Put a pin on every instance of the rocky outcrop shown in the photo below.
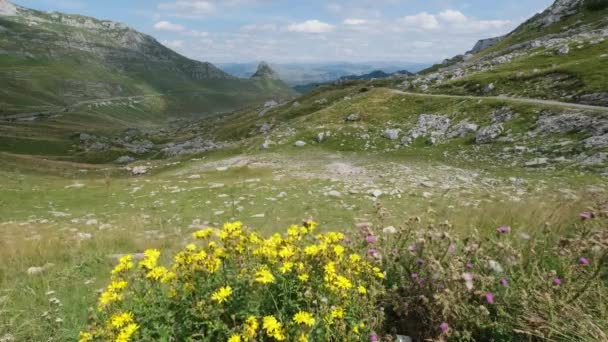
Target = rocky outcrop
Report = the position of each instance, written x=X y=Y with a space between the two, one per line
x=462 y=129
x=559 y=10
x=430 y=125
x=596 y=99
x=489 y=134
x=570 y=123
x=194 y=146
x=485 y=44
x=7 y=9
x=391 y=134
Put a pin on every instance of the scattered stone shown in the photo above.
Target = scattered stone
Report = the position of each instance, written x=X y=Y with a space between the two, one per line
x=139 y=170
x=84 y=236
x=195 y=177
x=564 y=50
x=600 y=158
x=376 y=193
x=537 y=162
x=462 y=129
x=489 y=134
x=296 y=104
x=334 y=193
x=435 y=126
x=215 y=185
x=390 y=230
x=92 y=222
x=35 y=270
x=300 y=143
x=596 y=99
x=353 y=117
x=219 y=212
x=259 y=216
x=502 y=115
x=124 y=160
x=391 y=134
x=427 y=195
x=489 y=88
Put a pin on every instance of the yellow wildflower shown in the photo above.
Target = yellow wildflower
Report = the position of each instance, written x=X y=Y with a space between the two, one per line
x=339 y=250
x=287 y=267
x=304 y=277
x=157 y=273
x=120 y=320
x=337 y=312
x=191 y=247
x=126 y=333
x=287 y=252
x=203 y=234
x=150 y=259
x=361 y=289
x=222 y=294
x=304 y=318
x=302 y=338
x=85 y=337
x=251 y=327
x=343 y=283
x=311 y=250
x=235 y=338
x=124 y=263
x=264 y=276
x=354 y=258
x=273 y=328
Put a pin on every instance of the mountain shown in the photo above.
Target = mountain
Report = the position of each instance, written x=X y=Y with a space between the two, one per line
x=305 y=74
x=558 y=54
x=62 y=74
x=52 y=60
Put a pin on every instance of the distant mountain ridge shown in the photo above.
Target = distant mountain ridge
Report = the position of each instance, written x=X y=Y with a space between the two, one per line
x=55 y=59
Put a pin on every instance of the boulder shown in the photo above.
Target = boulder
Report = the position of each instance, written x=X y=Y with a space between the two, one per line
x=300 y=143
x=569 y=123
x=502 y=115
x=596 y=99
x=139 y=170
x=462 y=129
x=564 y=50
x=435 y=126
x=599 y=141
x=391 y=134
x=489 y=134
x=597 y=159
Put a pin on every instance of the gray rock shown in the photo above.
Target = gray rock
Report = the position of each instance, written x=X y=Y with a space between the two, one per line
x=599 y=141
x=139 y=170
x=435 y=126
x=489 y=134
x=270 y=104
x=596 y=99
x=353 y=117
x=334 y=193
x=391 y=134
x=266 y=144
x=98 y=146
x=570 y=123
x=124 y=160
x=376 y=193
x=564 y=50
x=194 y=146
x=86 y=137
x=502 y=115
x=300 y=143
x=140 y=146
x=600 y=158
x=320 y=137
x=296 y=104
x=537 y=162
x=406 y=140
x=266 y=127
x=462 y=129
x=489 y=88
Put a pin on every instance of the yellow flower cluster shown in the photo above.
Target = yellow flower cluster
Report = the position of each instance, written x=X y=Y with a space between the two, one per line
x=299 y=286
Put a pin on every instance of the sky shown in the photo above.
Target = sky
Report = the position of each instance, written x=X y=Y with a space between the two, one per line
x=290 y=31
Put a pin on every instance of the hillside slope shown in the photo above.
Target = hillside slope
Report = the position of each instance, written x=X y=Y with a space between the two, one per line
x=54 y=61
x=559 y=54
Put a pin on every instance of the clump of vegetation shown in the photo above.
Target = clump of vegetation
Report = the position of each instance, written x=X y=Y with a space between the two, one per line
x=510 y=285
x=596 y=5
x=421 y=280
x=232 y=285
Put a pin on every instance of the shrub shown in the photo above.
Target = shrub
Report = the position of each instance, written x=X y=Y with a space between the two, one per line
x=596 y=5
x=233 y=285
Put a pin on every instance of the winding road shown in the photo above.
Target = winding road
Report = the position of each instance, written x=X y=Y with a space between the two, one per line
x=512 y=99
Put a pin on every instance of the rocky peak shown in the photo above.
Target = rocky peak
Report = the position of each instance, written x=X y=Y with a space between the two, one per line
x=556 y=12
x=7 y=8
x=265 y=71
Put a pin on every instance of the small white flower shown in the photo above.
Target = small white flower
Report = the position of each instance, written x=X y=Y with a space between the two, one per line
x=495 y=266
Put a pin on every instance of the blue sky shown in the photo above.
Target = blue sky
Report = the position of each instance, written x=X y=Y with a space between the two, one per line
x=310 y=30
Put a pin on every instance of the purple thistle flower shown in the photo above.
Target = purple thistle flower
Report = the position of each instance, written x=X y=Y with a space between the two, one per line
x=414 y=275
x=371 y=239
x=372 y=252
x=557 y=281
x=444 y=327
x=470 y=266
x=586 y=216
x=419 y=262
x=584 y=261
x=412 y=247
x=490 y=298
x=373 y=337
x=503 y=229
x=504 y=282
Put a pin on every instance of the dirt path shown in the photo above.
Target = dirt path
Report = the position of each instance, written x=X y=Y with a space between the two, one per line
x=512 y=99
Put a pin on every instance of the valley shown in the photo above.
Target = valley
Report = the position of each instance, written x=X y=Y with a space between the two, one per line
x=113 y=145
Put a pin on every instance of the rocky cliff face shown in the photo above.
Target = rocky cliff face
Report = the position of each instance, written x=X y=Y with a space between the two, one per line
x=559 y=10
x=7 y=9
x=484 y=44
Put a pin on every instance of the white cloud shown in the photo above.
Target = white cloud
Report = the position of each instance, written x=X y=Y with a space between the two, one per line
x=173 y=44
x=420 y=21
x=188 y=8
x=169 y=26
x=310 y=26
x=452 y=16
x=355 y=22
